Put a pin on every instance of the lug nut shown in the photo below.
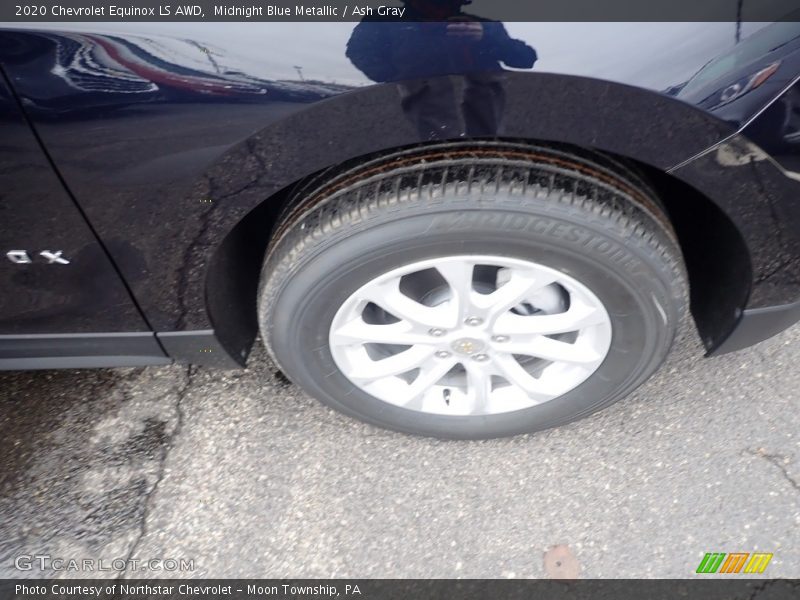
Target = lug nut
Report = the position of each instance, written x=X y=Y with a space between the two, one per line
x=443 y=354
x=500 y=339
x=436 y=332
x=480 y=357
x=474 y=321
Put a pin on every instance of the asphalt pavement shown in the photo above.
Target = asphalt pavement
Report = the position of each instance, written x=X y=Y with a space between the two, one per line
x=239 y=474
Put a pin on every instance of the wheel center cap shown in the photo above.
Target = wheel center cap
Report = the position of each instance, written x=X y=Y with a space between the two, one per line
x=467 y=346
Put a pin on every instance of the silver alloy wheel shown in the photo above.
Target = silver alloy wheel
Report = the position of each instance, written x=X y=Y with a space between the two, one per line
x=470 y=335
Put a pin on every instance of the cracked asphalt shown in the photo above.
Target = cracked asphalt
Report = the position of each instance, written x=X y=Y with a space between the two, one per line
x=246 y=476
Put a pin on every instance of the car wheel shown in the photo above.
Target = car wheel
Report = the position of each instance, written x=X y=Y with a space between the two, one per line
x=472 y=292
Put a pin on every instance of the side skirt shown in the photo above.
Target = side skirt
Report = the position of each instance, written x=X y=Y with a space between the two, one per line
x=80 y=350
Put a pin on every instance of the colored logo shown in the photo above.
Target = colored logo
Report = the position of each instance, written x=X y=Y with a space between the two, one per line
x=737 y=562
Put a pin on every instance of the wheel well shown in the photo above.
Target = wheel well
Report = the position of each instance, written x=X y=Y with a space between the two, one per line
x=715 y=256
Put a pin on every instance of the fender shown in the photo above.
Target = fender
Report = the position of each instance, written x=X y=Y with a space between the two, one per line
x=584 y=112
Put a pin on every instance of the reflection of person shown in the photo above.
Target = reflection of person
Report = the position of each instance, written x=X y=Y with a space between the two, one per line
x=437 y=40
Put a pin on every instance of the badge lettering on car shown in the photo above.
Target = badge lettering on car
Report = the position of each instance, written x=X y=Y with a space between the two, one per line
x=52 y=257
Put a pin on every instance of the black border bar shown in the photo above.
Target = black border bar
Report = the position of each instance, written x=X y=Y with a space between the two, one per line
x=41 y=11
x=707 y=588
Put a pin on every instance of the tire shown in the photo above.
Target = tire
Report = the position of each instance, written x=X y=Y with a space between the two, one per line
x=585 y=224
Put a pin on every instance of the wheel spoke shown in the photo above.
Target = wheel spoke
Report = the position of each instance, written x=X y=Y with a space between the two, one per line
x=515 y=291
x=516 y=375
x=579 y=316
x=400 y=363
x=429 y=375
x=479 y=387
x=359 y=332
x=458 y=276
x=389 y=297
x=550 y=349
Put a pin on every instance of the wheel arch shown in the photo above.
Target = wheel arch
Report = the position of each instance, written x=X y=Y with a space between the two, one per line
x=631 y=124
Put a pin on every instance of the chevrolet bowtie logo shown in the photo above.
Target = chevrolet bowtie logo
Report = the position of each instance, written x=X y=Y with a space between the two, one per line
x=468 y=346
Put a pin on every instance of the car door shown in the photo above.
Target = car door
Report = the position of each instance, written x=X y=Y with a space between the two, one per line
x=62 y=301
